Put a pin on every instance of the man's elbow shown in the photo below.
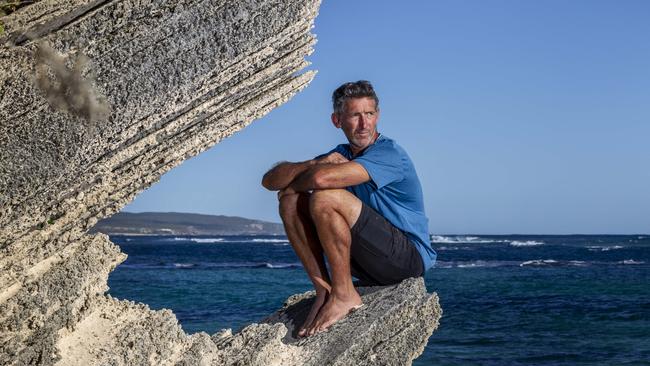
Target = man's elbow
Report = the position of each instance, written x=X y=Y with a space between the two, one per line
x=266 y=182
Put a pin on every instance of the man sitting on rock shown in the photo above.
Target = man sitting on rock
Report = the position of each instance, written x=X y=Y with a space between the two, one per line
x=360 y=205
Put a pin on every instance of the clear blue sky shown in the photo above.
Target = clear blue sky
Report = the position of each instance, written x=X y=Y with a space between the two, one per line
x=520 y=116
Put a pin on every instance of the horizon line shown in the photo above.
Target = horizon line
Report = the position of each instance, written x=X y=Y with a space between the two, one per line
x=439 y=234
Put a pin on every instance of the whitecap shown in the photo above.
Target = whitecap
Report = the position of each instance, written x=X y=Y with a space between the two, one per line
x=470 y=265
x=443 y=264
x=527 y=243
x=282 y=265
x=603 y=249
x=176 y=238
x=206 y=240
x=578 y=263
x=631 y=261
x=462 y=239
x=474 y=264
x=270 y=240
x=539 y=262
x=184 y=265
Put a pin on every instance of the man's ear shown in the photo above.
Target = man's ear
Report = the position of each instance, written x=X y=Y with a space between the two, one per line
x=335 y=120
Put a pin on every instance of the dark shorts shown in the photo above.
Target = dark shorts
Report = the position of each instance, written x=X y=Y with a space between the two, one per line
x=382 y=254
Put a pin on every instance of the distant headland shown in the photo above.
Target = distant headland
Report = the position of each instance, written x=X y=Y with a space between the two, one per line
x=177 y=223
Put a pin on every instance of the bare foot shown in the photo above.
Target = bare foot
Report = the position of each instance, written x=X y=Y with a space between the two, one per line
x=318 y=303
x=334 y=310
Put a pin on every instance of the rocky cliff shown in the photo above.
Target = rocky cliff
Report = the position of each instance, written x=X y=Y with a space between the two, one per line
x=99 y=98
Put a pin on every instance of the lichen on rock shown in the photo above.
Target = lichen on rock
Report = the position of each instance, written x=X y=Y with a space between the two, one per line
x=179 y=77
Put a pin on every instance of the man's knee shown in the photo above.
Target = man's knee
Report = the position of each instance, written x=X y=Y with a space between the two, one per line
x=291 y=205
x=326 y=202
x=323 y=200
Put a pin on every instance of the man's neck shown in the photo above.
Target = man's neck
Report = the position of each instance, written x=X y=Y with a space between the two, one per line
x=357 y=152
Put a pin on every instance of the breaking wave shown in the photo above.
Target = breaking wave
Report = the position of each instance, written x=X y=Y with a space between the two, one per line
x=531 y=263
x=527 y=243
x=453 y=248
x=474 y=264
x=556 y=263
x=463 y=239
x=204 y=265
x=630 y=261
x=550 y=263
x=283 y=265
x=206 y=240
x=603 y=249
x=225 y=240
x=270 y=240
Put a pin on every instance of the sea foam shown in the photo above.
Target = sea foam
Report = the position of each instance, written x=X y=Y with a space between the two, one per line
x=527 y=243
x=462 y=239
x=630 y=261
x=207 y=240
x=603 y=249
x=270 y=240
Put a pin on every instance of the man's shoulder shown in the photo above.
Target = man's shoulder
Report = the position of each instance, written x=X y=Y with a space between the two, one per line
x=386 y=143
x=386 y=146
x=343 y=149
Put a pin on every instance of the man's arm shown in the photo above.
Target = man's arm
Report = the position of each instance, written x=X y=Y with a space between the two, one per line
x=282 y=174
x=330 y=176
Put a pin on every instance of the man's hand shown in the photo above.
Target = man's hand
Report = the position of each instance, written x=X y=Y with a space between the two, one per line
x=333 y=158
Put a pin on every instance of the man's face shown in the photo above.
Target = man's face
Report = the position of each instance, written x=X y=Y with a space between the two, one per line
x=358 y=122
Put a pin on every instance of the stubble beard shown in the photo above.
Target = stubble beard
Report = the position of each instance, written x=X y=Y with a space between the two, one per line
x=368 y=141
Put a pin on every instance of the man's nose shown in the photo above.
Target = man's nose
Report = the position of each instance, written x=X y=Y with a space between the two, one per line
x=364 y=122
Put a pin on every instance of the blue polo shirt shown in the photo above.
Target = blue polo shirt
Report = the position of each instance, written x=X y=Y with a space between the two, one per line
x=394 y=191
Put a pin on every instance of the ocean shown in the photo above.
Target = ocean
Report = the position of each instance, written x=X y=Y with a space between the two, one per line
x=507 y=300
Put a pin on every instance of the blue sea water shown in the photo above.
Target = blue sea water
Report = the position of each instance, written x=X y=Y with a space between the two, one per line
x=507 y=300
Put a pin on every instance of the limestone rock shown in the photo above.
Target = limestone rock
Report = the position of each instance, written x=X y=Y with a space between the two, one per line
x=391 y=328
x=98 y=99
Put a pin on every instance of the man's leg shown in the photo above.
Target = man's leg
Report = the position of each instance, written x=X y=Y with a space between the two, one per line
x=334 y=212
x=294 y=211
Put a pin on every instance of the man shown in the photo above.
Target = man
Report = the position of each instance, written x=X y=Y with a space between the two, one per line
x=360 y=205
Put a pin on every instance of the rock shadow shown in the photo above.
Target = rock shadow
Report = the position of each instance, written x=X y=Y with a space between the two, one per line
x=295 y=310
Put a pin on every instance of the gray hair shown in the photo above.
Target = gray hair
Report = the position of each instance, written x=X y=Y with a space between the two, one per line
x=357 y=89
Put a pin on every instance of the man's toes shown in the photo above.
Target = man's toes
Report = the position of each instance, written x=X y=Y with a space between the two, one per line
x=325 y=326
x=312 y=329
x=304 y=331
x=320 y=327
